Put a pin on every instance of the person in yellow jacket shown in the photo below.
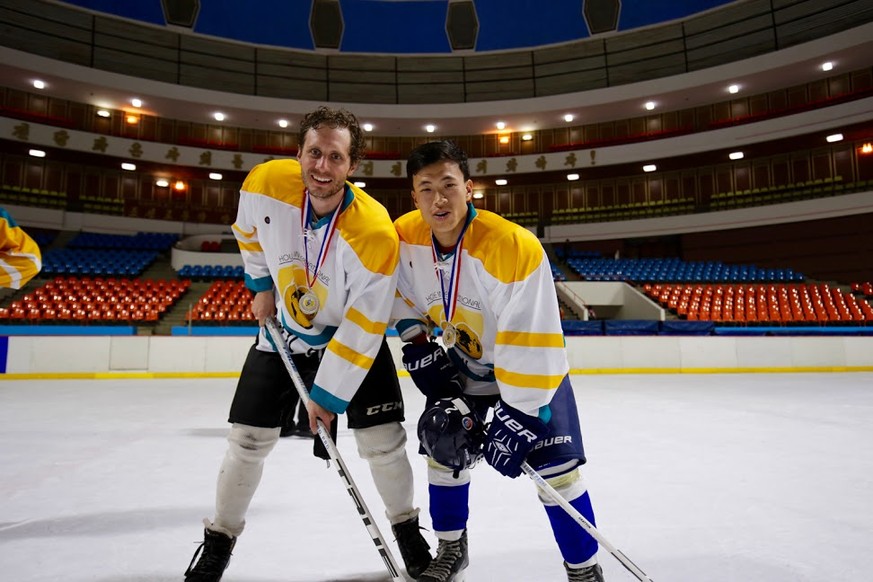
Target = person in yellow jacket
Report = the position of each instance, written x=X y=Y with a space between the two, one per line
x=20 y=258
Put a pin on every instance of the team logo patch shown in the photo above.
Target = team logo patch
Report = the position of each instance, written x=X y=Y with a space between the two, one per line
x=467 y=422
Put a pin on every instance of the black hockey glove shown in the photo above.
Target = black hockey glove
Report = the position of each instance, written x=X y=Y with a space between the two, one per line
x=511 y=436
x=432 y=371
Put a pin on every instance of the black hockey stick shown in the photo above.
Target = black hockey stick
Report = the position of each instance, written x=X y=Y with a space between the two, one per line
x=272 y=327
x=586 y=525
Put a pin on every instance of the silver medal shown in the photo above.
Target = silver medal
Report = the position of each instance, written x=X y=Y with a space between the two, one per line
x=309 y=303
x=450 y=335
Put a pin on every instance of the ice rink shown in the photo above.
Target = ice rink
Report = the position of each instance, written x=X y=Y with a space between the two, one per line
x=710 y=478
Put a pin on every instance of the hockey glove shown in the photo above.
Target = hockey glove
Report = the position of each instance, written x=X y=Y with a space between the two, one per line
x=511 y=436
x=432 y=371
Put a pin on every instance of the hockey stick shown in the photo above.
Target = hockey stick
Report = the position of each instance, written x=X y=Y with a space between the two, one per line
x=323 y=433
x=586 y=525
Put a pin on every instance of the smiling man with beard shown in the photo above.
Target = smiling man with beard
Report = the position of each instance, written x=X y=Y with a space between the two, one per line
x=320 y=255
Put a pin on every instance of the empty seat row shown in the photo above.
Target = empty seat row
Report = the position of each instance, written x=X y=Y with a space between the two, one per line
x=776 y=303
x=208 y=272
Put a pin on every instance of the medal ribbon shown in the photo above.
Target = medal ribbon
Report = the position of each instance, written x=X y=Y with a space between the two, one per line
x=450 y=296
x=325 y=242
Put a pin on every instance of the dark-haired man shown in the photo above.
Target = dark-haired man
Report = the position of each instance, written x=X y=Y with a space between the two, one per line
x=488 y=284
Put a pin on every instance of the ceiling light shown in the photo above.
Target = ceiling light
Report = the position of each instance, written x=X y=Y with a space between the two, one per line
x=430 y=128
x=526 y=137
x=867 y=148
x=835 y=137
x=569 y=117
x=360 y=184
x=218 y=116
x=504 y=139
x=736 y=155
x=132 y=119
x=103 y=113
x=478 y=195
x=734 y=89
x=136 y=102
x=501 y=181
x=368 y=127
x=215 y=176
x=38 y=84
x=37 y=153
x=162 y=183
x=283 y=123
x=179 y=185
x=650 y=168
x=650 y=105
x=501 y=125
x=827 y=66
x=128 y=166
x=572 y=177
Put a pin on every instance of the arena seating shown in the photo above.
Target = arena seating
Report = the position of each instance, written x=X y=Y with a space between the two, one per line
x=96 y=300
x=674 y=270
x=224 y=302
x=793 y=303
x=119 y=263
x=211 y=272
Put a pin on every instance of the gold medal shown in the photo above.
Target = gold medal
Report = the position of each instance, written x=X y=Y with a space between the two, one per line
x=450 y=335
x=309 y=303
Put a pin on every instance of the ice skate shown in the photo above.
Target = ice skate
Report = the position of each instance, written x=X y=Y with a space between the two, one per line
x=414 y=550
x=450 y=562
x=590 y=574
x=214 y=552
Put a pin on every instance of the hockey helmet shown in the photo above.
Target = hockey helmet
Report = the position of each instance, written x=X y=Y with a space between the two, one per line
x=451 y=433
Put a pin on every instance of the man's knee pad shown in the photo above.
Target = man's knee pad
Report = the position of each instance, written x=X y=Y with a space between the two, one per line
x=570 y=485
x=252 y=444
x=381 y=444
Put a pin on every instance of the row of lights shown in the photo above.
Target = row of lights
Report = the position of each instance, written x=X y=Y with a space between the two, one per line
x=133 y=118
x=867 y=148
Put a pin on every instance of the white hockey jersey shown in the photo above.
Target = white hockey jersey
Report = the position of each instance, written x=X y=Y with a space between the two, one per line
x=354 y=285
x=510 y=336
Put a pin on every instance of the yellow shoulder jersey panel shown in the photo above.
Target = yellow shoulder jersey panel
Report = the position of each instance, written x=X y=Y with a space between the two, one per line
x=278 y=179
x=508 y=251
x=366 y=226
x=412 y=229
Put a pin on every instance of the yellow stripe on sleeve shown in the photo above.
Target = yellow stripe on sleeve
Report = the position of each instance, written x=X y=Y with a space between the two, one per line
x=358 y=318
x=254 y=247
x=244 y=233
x=349 y=354
x=527 y=380
x=530 y=340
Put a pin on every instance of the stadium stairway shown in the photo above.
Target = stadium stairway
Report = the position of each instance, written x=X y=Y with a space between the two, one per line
x=177 y=314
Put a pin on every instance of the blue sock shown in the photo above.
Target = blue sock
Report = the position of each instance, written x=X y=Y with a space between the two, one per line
x=575 y=543
x=449 y=507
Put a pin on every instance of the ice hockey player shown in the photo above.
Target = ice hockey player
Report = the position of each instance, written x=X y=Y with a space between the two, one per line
x=320 y=255
x=487 y=283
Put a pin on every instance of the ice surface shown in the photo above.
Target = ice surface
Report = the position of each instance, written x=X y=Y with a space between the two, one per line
x=697 y=478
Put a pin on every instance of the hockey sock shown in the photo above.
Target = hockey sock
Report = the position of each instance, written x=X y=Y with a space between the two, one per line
x=576 y=545
x=449 y=500
x=384 y=448
x=240 y=475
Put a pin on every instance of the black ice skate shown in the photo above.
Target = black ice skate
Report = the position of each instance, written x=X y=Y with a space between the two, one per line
x=450 y=562
x=413 y=548
x=590 y=574
x=215 y=552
